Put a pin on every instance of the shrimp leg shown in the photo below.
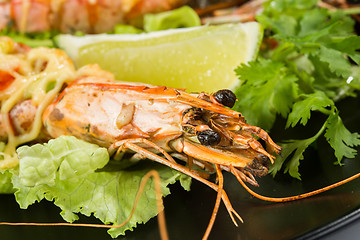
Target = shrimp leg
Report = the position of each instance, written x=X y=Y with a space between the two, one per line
x=121 y=148
x=131 y=144
x=121 y=144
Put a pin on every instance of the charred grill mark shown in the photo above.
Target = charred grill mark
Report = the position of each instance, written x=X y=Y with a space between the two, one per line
x=177 y=93
x=56 y=115
x=60 y=98
x=27 y=124
x=189 y=130
x=21 y=118
x=69 y=130
x=259 y=166
x=186 y=111
x=63 y=87
x=94 y=130
x=18 y=112
x=87 y=128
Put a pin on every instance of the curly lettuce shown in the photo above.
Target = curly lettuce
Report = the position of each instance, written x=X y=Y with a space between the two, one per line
x=5 y=182
x=70 y=172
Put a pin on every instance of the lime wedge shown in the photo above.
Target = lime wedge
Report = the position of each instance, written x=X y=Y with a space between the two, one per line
x=197 y=59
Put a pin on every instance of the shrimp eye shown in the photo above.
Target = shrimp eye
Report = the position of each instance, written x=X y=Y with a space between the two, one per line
x=208 y=137
x=225 y=97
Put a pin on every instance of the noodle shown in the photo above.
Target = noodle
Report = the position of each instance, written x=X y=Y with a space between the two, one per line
x=39 y=75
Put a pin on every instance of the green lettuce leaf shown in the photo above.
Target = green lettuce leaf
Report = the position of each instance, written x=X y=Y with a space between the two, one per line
x=70 y=176
x=43 y=39
x=124 y=28
x=5 y=176
x=179 y=18
x=5 y=182
x=65 y=157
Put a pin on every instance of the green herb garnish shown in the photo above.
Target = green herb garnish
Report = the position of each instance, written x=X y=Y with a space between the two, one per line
x=315 y=64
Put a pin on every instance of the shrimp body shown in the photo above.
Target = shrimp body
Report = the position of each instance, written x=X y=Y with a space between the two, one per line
x=195 y=126
x=68 y=16
x=114 y=111
x=106 y=112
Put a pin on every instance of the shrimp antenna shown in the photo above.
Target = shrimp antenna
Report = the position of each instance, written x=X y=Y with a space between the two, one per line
x=161 y=215
x=217 y=203
x=292 y=198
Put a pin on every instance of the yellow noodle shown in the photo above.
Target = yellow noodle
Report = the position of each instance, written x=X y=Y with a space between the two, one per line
x=25 y=7
x=40 y=66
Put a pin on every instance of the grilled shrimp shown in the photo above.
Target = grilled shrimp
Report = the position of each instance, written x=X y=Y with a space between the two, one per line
x=196 y=126
x=89 y=16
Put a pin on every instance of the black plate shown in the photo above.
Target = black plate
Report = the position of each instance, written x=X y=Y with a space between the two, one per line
x=188 y=213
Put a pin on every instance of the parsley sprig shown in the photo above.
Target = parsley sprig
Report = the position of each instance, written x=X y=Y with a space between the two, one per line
x=315 y=63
